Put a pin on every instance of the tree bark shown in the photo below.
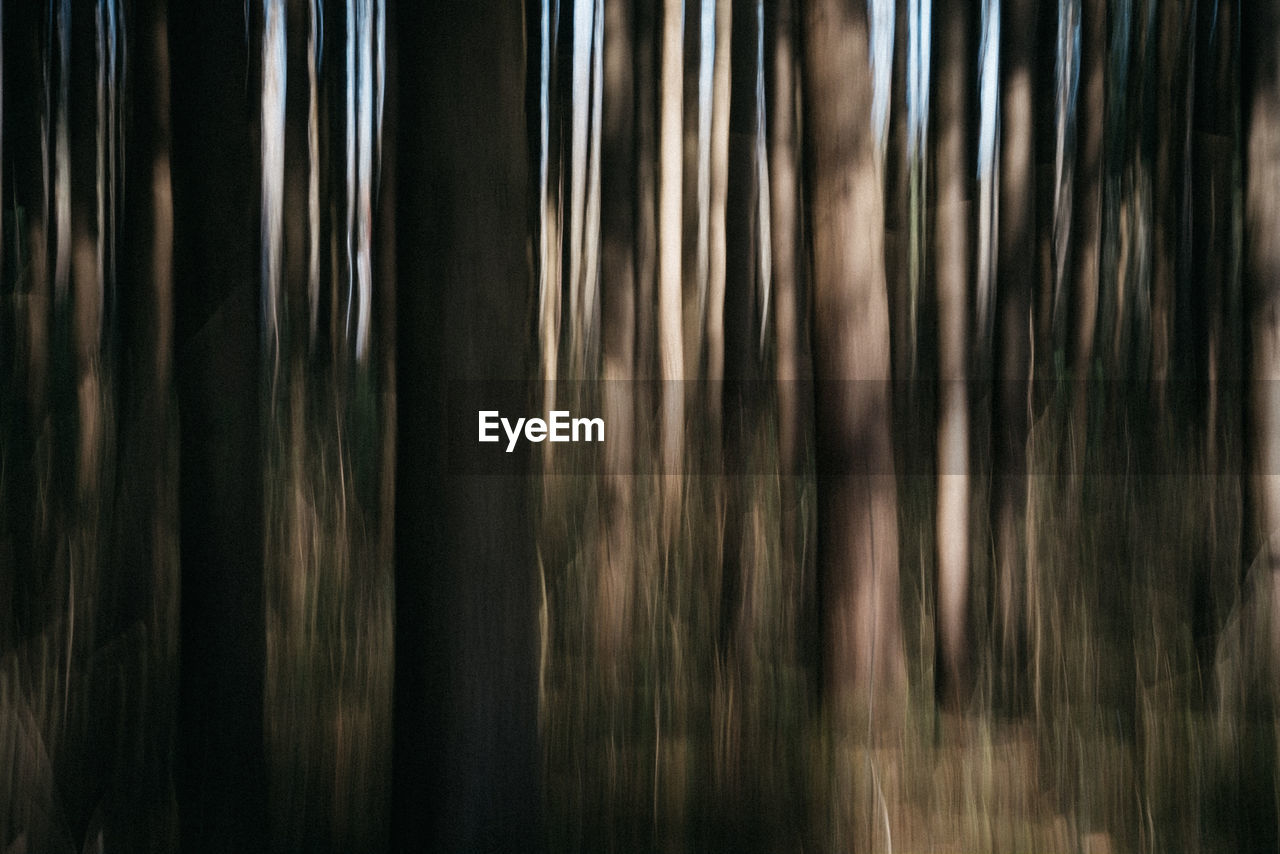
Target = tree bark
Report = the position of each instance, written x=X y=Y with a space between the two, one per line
x=791 y=364
x=1015 y=278
x=618 y=232
x=718 y=260
x=954 y=97
x=671 y=367
x=1260 y=27
x=465 y=767
x=1170 y=127
x=218 y=356
x=1086 y=221
x=864 y=670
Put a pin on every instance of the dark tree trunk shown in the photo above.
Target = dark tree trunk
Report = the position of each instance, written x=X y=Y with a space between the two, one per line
x=1086 y=220
x=1170 y=134
x=741 y=315
x=1015 y=278
x=466 y=772
x=618 y=310
x=146 y=589
x=1260 y=108
x=217 y=339
x=1214 y=144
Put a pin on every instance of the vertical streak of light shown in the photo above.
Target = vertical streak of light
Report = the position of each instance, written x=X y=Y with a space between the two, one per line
x=591 y=236
x=364 y=236
x=162 y=212
x=881 y=14
x=380 y=79
x=313 y=173
x=579 y=133
x=713 y=313
x=546 y=282
x=351 y=124
x=670 y=230
x=100 y=165
x=273 y=95
x=762 y=181
x=706 y=59
x=988 y=162
x=551 y=213
x=1067 y=73
x=108 y=140
x=544 y=98
x=62 y=158
x=46 y=110
x=1116 y=208
x=919 y=26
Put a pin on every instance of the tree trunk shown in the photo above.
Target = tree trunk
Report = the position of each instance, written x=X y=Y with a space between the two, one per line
x=716 y=231
x=465 y=717
x=1214 y=142
x=953 y=99
x=791 y=362
x=1086 y=224
x=222 y=789
x=1261 y=106
x=1015 y=278
x=147 y=486
x=671 y=367
x=864 y=670
x=618 y=232
x=741 y=330
x=1170 y=125
x=1260 y=113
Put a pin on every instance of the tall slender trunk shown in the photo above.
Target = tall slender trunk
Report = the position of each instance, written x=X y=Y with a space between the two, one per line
x=1015 y=278
x=898 y=254
x=671 y=366
x=954 y=98
x=646 y=202
x=618 y=232
x=741 y=348
x=719 y=188
x=1214 y=143
x=864 y=669
x=791 y=364
x=1086 y=221
x=1170 y=125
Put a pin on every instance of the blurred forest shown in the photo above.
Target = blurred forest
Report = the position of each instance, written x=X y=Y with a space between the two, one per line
x=938 y=349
